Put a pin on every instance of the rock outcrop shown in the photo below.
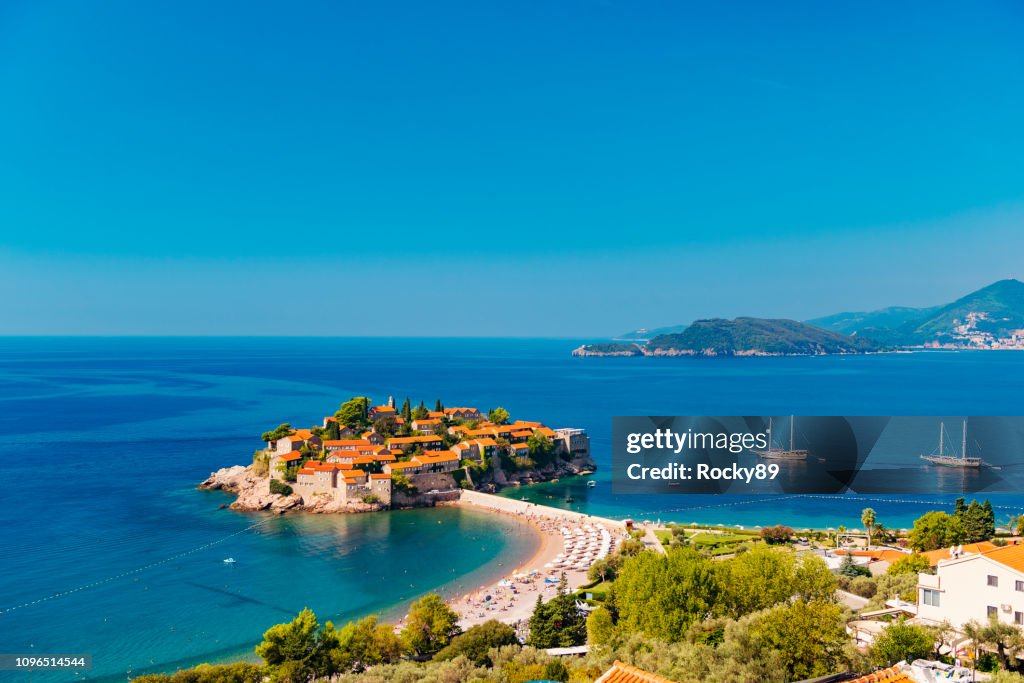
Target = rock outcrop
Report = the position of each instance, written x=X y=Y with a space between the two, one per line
x=253 y=494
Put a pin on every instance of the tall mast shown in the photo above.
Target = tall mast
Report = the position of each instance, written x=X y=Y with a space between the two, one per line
x=790 y=432
x=963 y=442
x=942 y=427
x=769 y=435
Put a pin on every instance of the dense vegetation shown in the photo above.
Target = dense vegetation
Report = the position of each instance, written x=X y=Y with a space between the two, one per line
x=720 y=337
x=968 y=524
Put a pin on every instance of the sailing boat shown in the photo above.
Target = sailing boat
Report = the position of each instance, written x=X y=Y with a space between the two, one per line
x=953 y=460
x=782 y=453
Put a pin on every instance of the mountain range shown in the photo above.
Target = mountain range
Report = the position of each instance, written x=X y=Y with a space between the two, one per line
x=989 y=318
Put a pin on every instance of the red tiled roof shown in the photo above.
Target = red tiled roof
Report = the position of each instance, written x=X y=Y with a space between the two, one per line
x=380 y=476
x=292 y=457
x=890 y=675
x=624 y=673
x=968 y=549
x=1011 y=556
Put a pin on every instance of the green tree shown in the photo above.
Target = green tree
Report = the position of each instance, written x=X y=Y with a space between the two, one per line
x=407 y=410
x=365 y=643
x=996 y=635
x=659 y=595
x=385 y=426
x=280 y=432
x=420 y=412
x=541 y=448
x=557 y=622
x=868 y=519
x=915 y=563
x=438 y=406
x=851 y=569
x=600 y=627
x=809 y=638
x=813 y=581
x=890 y=586
x=777 y=534
x=936 y=529
x=240 y=672
x=759 y=578
x=476 y=643
x=498 y=416
x=402 y=484
x=297 y=651
x=431 y=626
x=354 y=413
x=333 y=431
x=901 y=641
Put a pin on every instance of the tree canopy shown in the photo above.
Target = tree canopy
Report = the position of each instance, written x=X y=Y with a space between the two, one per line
x=431 y=626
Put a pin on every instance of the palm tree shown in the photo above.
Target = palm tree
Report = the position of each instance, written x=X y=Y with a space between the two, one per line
x=867 y=518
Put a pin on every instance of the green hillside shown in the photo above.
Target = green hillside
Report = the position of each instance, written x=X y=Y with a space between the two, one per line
x=753 y=336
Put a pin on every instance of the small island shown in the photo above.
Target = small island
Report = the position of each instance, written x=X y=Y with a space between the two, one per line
x=367 y=458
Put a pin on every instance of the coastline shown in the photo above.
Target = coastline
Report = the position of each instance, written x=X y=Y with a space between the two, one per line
x=511 y=597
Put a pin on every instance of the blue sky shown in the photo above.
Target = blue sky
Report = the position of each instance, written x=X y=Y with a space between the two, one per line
x=607 y=164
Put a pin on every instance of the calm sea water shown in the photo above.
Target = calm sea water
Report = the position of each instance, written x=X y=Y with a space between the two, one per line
x=108 y=548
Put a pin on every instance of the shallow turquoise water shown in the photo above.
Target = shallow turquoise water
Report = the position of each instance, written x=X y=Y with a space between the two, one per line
x=103 y=440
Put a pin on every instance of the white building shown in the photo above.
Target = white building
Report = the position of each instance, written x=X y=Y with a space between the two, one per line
x=975 y=587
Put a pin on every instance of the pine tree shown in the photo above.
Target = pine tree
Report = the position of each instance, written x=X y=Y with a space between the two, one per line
x=438 y=407
x=407 y=410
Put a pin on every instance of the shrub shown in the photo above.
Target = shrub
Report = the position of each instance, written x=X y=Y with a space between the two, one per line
x=280 y=488
x=371 y=499
x=863 y=586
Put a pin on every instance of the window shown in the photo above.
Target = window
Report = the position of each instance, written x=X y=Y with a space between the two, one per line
x=993 y=611
x=993 y=580
x=1020 y=586
x=1018 y=618
x=930 y=597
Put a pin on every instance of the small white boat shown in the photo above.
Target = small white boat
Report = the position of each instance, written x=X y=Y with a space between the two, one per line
x=230 y=560
x=591 y=484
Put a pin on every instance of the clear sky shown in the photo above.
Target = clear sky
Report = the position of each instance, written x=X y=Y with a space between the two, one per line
x=482 y=168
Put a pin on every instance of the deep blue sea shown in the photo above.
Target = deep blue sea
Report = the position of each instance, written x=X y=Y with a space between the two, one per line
x=108 y=548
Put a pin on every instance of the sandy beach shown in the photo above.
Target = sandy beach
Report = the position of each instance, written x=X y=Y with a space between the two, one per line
x=564 y=535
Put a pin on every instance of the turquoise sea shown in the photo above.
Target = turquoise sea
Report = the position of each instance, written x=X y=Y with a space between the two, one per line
x=108 y=548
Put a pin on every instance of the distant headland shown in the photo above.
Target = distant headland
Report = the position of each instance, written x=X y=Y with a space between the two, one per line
x=990 y=318
x=367 y=458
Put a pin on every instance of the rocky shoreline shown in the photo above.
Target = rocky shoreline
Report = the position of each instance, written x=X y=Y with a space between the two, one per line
x=253 y=494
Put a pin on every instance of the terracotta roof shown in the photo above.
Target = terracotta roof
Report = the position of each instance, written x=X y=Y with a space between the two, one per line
x=486 y=442
x=292 y=457
x=413 y=439
x=518 y=446
x=429 y=457
x=969 y=549
x=522 y=432
x=382 y=409
x=624 y=673
x=404 y=465
x=306 y=472
x=435 y=413
x=380 y=476
x=1011 y=556
x=890 y=675
x=346 y=442
x=430 y=421
x=547 y=431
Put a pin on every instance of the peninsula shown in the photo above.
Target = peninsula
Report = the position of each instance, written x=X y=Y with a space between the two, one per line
x=367 y=458
x=740 y=337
